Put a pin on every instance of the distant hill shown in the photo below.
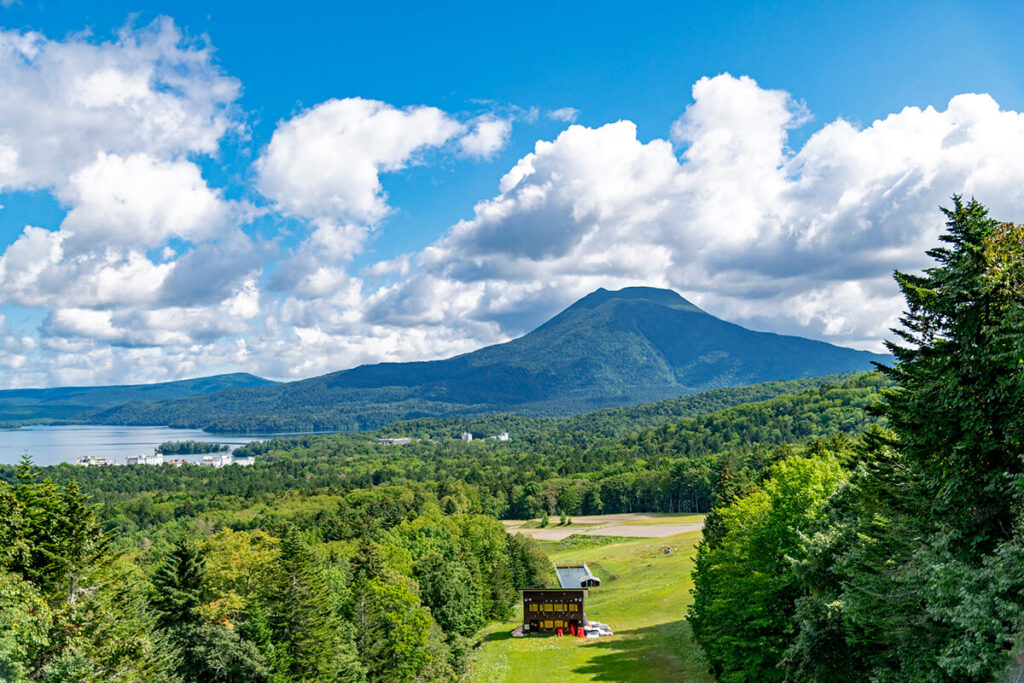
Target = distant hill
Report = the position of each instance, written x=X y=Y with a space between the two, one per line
x=585 y=429
x=609 y=349
x=68 y=404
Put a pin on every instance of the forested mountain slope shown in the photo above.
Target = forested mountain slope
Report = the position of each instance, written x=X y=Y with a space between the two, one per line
x=547 y=465
x=612 y=423
x=69 y=403
x=609 y=349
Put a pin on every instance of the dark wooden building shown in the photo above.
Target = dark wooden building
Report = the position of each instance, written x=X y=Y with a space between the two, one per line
x=545 y=610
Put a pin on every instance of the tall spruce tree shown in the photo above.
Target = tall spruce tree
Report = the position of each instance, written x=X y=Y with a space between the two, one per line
x=959 y=410
x=918 y=573
x=179 y=586
x=914 y=571
x=309 y=639
x=959 y=419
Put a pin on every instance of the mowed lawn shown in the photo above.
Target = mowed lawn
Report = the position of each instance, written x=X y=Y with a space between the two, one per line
x=643 y=596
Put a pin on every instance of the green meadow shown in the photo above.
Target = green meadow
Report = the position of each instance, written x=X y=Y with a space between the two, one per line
x=644 y=595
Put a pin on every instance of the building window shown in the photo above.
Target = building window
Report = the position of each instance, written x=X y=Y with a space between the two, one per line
x=533 y=607
x=572 y=606
x=548 y=607
x=558 y=623
x=549 y=624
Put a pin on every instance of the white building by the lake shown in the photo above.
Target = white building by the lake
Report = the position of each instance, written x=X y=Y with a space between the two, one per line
x=143 y=459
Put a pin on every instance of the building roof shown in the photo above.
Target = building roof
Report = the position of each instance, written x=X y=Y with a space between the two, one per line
x=575 y=576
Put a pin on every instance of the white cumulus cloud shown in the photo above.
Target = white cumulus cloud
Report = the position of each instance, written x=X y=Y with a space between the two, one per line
x=63 y=102
x=141 y=201
x=488 y=136
x=326 y=162
x=147 y=254
x=802 y=241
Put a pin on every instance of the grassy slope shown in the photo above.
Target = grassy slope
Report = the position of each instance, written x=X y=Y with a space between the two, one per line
x=643 y=597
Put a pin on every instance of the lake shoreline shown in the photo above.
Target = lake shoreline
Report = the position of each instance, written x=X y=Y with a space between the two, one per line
x=51 y=444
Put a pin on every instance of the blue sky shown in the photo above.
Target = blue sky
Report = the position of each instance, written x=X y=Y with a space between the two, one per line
x=772 y=162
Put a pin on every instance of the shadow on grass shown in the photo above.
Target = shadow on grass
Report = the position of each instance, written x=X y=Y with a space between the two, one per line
x=498 y=635
x=665 y=652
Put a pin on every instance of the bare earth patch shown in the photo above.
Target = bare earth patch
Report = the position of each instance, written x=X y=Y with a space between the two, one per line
x=637 y=525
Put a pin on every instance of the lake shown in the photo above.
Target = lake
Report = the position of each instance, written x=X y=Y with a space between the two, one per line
x=52 y=445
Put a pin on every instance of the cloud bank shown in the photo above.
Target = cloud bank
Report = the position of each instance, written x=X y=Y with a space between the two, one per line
x=800 y=241
x=154 y=273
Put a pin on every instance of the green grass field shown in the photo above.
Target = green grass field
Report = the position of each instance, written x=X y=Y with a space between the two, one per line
x=643 y=597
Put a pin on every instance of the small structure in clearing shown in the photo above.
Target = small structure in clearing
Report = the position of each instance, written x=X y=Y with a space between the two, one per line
x=576 y=576
x=551 y=610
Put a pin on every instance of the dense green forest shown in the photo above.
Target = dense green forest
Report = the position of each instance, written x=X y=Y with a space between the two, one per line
x=620 y=467
x=899 y=557
x=395 y=550
x=609 y=349
x=298 y=597
x=190 y=447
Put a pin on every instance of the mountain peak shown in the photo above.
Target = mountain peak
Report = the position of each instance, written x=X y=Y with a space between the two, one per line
x=610 y=348
x=661 y=297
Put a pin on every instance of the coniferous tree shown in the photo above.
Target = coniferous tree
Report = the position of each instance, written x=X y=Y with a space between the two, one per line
x=959 y=410
x=367 y=562
x=179 y=586
x=13 y=547
x=958 y=416
x=255 y=628
x=302 y=614
x=914 y=571
x=79 y=545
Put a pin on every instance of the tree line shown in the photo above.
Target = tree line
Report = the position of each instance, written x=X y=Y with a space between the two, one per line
x=191 y=447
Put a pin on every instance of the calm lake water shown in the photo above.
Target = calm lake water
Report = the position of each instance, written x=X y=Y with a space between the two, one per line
x=53 y=445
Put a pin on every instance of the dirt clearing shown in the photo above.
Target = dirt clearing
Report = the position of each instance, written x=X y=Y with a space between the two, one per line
x=637 y=525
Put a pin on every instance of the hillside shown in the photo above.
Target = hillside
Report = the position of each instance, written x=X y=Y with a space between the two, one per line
x=611 y=423
x=609 y=349
x=68 y=404
x=629 y=465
